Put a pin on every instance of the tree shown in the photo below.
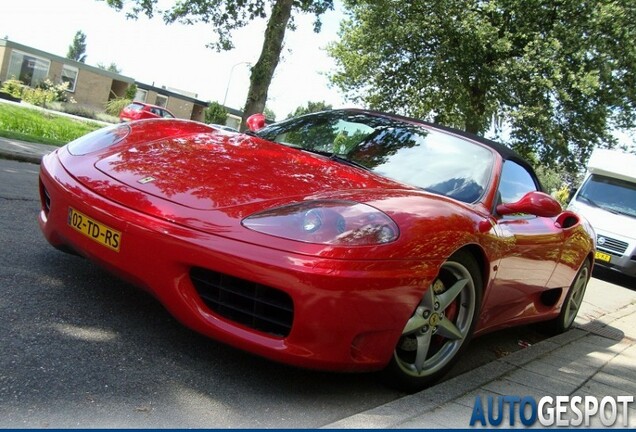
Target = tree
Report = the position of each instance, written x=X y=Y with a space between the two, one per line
x=269 y=114
x=215 y=113
x=226 y=16
x=112 y=67
x=77 y=49
x=311 y=107
x=553 y=77
x=131 y=91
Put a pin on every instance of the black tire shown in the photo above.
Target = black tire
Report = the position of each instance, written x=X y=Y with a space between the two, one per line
x=440 y=327
x=572 y=302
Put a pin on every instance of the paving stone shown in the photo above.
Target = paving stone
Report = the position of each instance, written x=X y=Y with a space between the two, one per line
x=548 y=384
x=570 y=372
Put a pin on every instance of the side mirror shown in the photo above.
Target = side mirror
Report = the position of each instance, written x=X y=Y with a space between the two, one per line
x=255 y=122
x=533 y=203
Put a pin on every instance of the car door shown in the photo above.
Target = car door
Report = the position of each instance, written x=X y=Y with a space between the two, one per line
x=530 y=248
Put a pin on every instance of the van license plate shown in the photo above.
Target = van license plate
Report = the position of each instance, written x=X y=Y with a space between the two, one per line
x=600 y=256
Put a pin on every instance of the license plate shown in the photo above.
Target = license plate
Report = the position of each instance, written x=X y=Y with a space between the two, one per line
x=602 y=256
x=94 y=230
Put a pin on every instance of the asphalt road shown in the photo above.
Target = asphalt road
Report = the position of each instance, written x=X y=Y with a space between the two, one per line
x=80 y=348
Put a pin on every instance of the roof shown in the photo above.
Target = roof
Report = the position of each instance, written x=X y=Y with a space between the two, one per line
x=166 y=92
x=613 y=163
x=14 y=45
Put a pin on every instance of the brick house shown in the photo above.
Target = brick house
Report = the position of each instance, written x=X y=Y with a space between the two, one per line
x=88 y=85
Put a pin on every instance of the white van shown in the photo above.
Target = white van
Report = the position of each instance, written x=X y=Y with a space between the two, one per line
x=607 y=198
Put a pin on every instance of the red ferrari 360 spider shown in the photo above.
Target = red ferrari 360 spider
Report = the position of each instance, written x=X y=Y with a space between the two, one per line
x=344 y=240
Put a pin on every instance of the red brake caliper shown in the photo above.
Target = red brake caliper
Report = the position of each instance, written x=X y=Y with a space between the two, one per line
x=450 y=312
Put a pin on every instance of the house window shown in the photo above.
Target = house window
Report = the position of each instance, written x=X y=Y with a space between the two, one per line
x=69 y=75
x=29 y=69
x=233 y=121
x=141 y=95
x=161 y=101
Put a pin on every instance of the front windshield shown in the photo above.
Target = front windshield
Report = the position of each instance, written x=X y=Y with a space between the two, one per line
x=614 y=195
x=432 y=160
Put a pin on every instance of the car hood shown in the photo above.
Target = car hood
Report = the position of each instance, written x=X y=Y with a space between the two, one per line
x=218 y=170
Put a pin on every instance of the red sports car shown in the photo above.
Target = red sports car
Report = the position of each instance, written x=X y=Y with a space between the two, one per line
x=140 y=111
x=344 y=240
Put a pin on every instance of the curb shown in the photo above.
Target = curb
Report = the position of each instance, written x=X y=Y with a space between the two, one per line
x=20 y=157
x=403 y=411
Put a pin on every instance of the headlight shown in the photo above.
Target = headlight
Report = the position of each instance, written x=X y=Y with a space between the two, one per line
x=98 y=140
x=326 y=222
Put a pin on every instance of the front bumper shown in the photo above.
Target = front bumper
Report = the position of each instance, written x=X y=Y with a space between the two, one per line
x=347 y=314
x=620 y=250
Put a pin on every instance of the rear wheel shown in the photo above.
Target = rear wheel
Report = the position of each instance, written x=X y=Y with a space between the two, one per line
x=572 y=302
x=440 y=326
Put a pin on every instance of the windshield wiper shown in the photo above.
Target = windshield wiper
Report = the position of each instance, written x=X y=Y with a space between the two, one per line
x=620 y=212
x=334 y=157
x=347 y=161
x=589 y=200
x=606 y=207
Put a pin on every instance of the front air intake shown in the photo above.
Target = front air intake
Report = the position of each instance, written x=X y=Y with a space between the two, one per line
x=45 y=199
x=257 y=306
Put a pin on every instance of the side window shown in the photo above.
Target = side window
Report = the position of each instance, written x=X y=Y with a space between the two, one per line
x=69 y=75
x=161 y=101
x=516 y=181
x=141 y=95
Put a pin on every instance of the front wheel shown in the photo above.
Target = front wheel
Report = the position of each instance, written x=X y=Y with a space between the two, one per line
x=440 y=326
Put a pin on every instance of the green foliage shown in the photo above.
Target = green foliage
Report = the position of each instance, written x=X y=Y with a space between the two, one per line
x=13 y=87
x=225 y=16
x=75 y=109
x=269 y=113
x=311 y=107
x=215 y=113
x=28 y=124
x=58 y=92
x=131 y=92
x=38 y=96
x=77 y=49
x=553 y=77
x=563 y=195
x=112 y=67
x=42 y=95
x=114 y=106
x=556 y=180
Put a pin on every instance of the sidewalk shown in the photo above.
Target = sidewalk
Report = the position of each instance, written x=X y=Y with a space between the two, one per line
x=596 y=358
x=23 y=151
x=30 y=152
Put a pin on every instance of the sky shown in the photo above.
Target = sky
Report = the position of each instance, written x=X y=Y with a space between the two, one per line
x=175 y=55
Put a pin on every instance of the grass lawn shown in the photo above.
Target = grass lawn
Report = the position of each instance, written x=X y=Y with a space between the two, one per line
x=32 y=125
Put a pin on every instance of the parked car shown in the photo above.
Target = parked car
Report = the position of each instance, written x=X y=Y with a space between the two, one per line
x=140 y=110
x=345 y=240
x=607 y=198
x=223 y=127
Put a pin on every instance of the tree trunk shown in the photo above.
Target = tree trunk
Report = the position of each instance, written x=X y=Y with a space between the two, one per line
x=474 y=117
x=263 y=70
